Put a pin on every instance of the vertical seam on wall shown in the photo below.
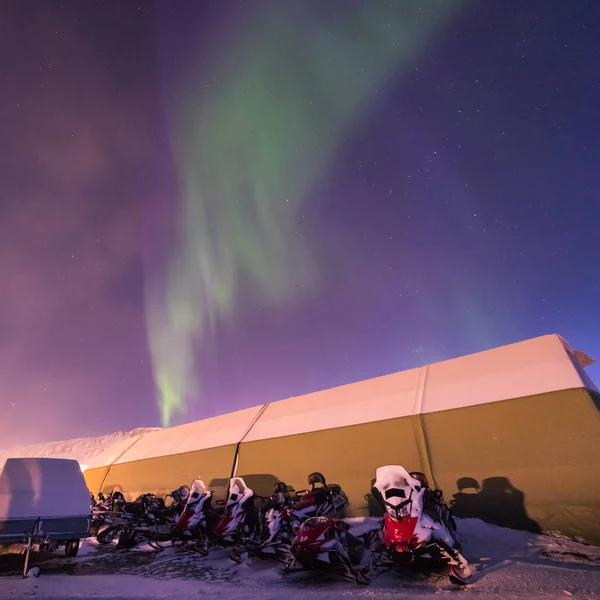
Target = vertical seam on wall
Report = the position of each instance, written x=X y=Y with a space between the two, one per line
x=420 y=391
x=118 y=457
x=421 y=432
x=427 y=454
x=248 y=430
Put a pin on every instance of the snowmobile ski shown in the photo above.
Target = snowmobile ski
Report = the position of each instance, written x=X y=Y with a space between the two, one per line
x=457 y=576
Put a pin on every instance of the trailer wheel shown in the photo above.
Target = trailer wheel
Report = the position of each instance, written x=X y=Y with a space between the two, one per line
x=71 y=548
x=34 y=572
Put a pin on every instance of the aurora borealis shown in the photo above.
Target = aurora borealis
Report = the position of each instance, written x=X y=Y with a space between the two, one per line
x=248 y=149
x=211 y=205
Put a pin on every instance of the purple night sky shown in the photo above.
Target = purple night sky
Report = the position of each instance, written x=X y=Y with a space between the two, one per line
x=458 y=213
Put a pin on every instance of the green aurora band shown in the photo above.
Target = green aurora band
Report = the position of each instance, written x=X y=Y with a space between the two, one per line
x=251 y=139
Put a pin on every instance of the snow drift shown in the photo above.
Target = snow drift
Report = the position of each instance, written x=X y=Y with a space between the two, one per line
x=84 y=450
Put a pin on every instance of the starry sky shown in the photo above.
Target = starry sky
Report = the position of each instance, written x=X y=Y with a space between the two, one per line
x=210 y=205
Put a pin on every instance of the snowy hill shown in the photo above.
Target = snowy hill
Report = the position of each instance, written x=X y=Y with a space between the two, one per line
x=82 y=449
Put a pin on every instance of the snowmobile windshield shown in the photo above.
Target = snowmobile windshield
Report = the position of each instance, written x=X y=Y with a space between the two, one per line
x=397 y=496
x=198 y=488
x=394 y=493
x=398 y=482
x=239 y=492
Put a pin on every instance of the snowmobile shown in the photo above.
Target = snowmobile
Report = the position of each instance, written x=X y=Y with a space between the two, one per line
x=329 y=544
x=148 y=519
x=417 y=524
x=107 y=518
x=155 y=520
x=239 y=522
x=274 y=535
x=98 y=510
x=196 y=525
x=326 y=500
x=286 y=510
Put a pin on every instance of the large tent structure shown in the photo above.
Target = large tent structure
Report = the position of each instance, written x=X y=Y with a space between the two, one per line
x=512 y=436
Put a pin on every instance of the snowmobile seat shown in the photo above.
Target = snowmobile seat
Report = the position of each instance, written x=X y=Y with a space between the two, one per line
x=180 y=494
x=316 y=496
x=335 y=488
x=430 y=507
x=320 y=495
x=315 y=478
x=433 y=504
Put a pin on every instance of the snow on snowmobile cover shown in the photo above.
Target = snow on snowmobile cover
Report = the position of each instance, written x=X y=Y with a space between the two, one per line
x=52 y=490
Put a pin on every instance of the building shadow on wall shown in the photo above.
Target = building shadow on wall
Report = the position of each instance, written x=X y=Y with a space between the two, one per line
x=496 y=502
x=261 y=484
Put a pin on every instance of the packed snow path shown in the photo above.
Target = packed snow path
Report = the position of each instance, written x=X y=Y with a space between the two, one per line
x=509 y=564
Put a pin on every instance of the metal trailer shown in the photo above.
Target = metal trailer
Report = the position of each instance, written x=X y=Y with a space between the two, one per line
x=44 y=502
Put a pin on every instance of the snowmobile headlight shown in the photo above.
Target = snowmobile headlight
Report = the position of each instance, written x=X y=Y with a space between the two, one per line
x=401 y=511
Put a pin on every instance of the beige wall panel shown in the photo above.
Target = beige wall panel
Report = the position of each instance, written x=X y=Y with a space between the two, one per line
x=346 y=455
x=164 y=474
x=93 y=478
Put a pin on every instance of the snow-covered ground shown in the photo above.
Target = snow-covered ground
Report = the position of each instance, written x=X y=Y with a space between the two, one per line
x=509 y=564
x=85 y=450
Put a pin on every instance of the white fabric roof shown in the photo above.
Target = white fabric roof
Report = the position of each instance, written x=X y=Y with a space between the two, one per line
x=526 y=368
x=531 y=367
x=42 y=487
x=199 y=435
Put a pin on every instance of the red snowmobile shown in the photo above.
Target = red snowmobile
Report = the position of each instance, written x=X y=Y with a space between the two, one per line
x=195 y=527
x=337 y=545
x=240 y=519
x=417 y=524
x=281 y=517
